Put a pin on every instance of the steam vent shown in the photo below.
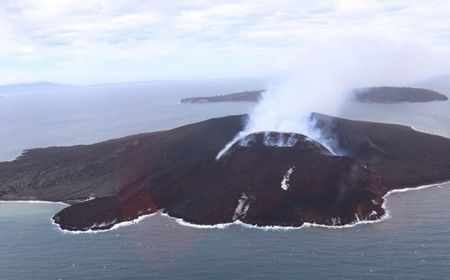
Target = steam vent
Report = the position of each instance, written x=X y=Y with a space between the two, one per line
x=264 y=179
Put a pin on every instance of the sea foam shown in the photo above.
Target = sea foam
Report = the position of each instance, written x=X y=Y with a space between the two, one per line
x=238 y=222
x=114 y=227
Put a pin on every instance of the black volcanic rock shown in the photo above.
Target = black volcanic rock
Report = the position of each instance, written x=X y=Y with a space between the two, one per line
x=246 y=184
x=267 y=178
x=79 y=172
x=365 y=95
x=402 y=156
x=397 y=94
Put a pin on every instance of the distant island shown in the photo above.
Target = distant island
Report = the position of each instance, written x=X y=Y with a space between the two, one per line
x=265 y=179
x=246 y=96
x=397 y=94
x=26 y=87
x=366 y=95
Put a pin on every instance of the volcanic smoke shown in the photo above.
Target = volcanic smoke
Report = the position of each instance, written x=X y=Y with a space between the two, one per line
x=323 y=79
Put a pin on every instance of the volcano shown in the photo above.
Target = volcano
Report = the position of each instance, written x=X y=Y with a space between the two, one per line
x=264 y=179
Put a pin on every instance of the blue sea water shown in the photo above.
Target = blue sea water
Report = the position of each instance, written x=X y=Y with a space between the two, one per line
x=414 y=243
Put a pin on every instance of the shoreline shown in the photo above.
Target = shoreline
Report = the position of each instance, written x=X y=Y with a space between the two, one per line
x=181 y=222
x=406 y=159
x=114 y=227
x=386 y=216
x=35 y=202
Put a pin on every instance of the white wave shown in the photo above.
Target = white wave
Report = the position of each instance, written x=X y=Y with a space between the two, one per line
x=114 y=227
x=182 y=222
x=439 y=185
x=306 y=224
x=357 y=223
x=238 y=222
x=386 y=210
x=267 y=228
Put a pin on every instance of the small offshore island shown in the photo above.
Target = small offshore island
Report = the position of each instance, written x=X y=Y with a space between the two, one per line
x=257 y=182
x=365 y=95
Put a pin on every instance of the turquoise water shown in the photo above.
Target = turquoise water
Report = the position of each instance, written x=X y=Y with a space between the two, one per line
x=414 y=243
x=85 y=115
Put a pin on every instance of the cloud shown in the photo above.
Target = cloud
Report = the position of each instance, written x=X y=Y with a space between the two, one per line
x=100 y=40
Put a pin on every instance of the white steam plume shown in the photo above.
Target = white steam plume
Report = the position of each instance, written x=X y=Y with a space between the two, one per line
x=325 y=76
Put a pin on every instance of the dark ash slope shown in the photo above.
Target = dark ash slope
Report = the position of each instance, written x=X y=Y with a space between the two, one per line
x=176 y=171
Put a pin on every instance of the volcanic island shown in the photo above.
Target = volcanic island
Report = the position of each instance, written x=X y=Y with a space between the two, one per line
x=363 y=95
x=264 y=179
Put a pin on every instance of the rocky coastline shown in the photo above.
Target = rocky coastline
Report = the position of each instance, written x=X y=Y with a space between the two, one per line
x=265 y=179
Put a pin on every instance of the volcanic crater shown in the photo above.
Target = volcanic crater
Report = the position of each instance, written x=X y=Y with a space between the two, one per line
x=264 y=179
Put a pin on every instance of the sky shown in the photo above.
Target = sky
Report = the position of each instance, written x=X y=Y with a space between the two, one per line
x=98 y=41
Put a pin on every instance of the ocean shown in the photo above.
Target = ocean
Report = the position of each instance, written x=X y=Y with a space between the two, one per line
x=413 y=243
